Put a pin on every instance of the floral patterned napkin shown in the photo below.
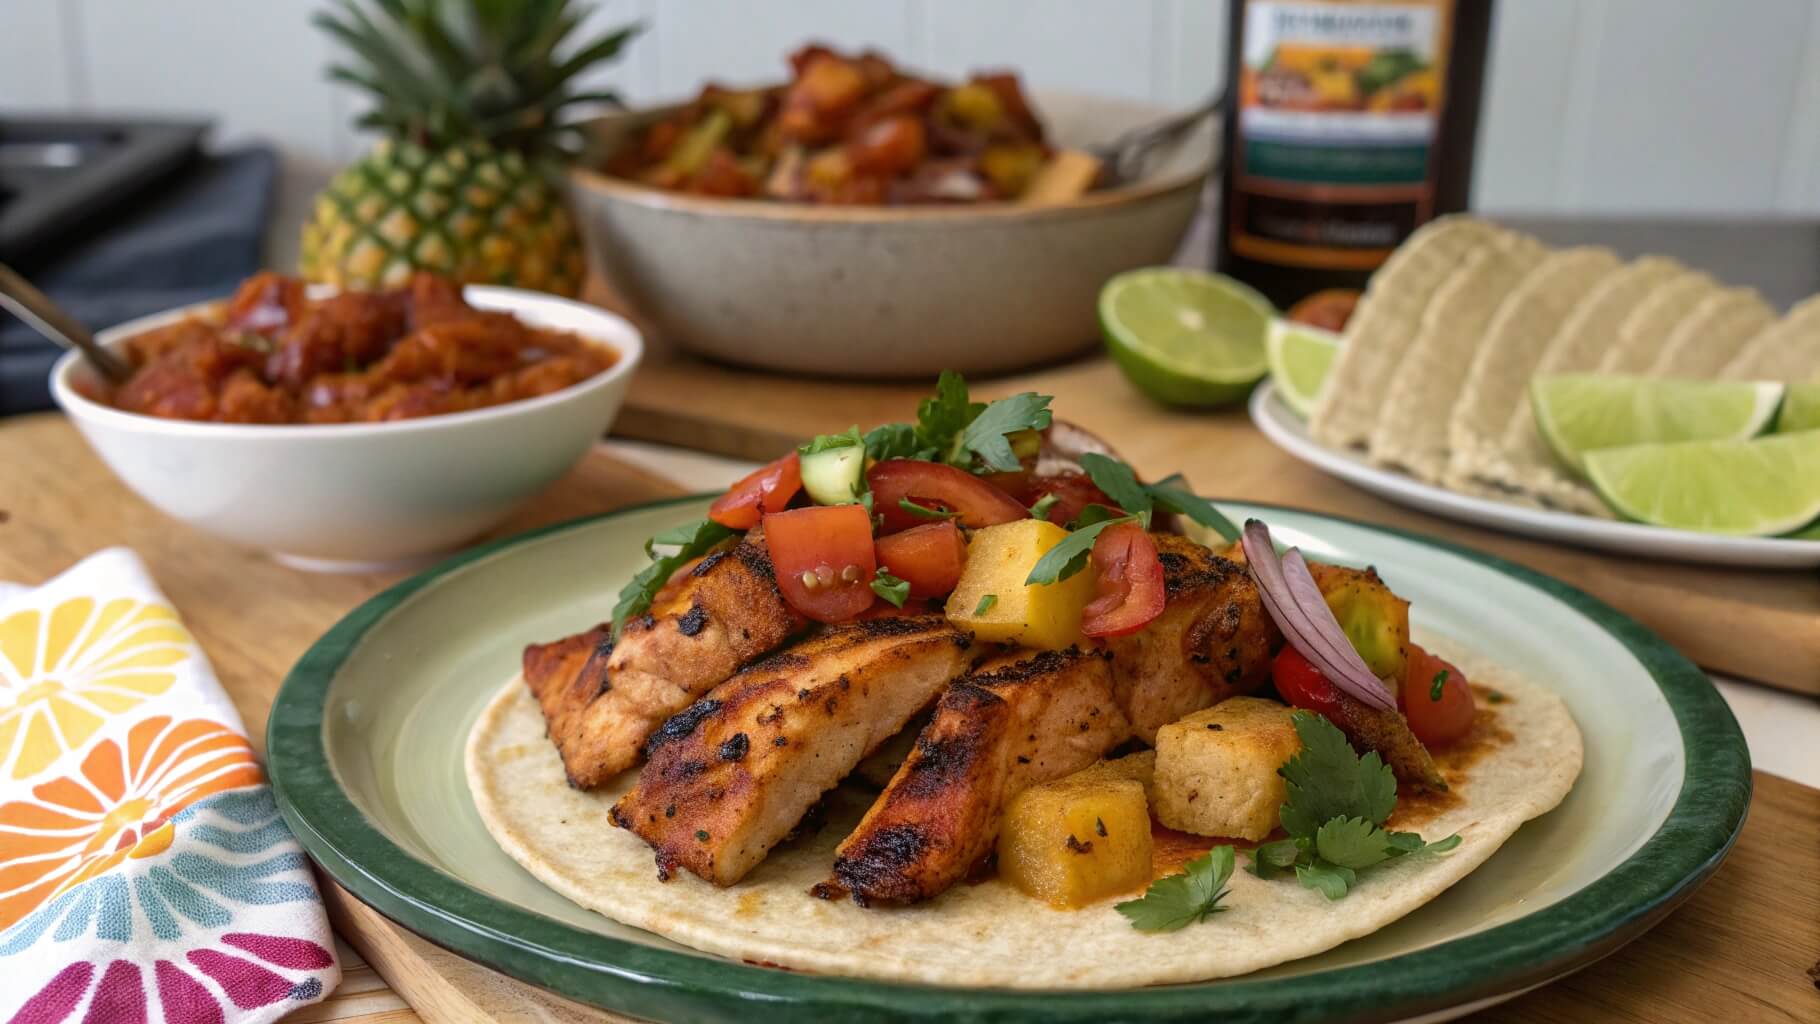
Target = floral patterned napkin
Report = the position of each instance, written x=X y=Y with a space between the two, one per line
x=145 y=874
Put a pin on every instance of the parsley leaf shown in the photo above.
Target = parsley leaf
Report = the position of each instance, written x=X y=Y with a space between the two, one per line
x=923 y=511
x=1327 y=780
x=1173 y=494
x=1118 y=480
x=1272 y=859
x=1069 y=556
x=1040 y=510
x=1332 y=879
x=941 y=418
x=985 y=605
x=1096 y=513
x=890 y=587
x=1439 y=686
x=894 y=441
x=1353 y=843
x=690 y=540
x=1178 y=901
x=985 y=438
x=828 y=442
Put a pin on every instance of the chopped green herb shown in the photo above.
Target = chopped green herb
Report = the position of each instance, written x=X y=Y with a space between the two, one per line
x=828 y=442
x=1436 y=688
x=691 y=540
x=1040 y=510
x=986 y=437
x=923 y=511
x=1335 y=814
x=1178 y=901
x=1069 y=556
x=941 y=417
x=985 y=605
x=1172 y=493
x=890 y=587
x=1496 y=697
x=895 y=441
x=1097 y=513
x=1119 y=481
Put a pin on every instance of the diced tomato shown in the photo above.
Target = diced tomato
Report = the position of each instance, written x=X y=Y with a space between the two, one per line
x=1073 y=491
x=1436 y=722
x=824 y=560
x=974 y=502
x=928 y=557
x=767 y=489
x=1129 y=576
x=1301 y=684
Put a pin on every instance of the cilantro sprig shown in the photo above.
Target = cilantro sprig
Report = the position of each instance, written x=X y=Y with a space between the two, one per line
x=1070 y=556
x=1335 y=814
x=924 y=511
x=1120 y=483
x=1177 y=901
x=890 y=587
x=951 y=427
x=683 y=542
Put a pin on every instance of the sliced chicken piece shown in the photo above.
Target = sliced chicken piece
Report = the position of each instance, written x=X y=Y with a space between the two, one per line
x=1214 y=640
x=601 y=700
x=728 y=778
x=1021 y=720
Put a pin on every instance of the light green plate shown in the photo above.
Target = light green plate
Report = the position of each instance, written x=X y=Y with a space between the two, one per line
x=366 y=741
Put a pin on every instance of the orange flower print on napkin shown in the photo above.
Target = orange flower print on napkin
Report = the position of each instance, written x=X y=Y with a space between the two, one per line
x=65 y=672
x=118 y=805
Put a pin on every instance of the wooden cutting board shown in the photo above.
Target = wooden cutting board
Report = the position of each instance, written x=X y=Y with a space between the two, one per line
x=1751 y=624
x=1746 y=940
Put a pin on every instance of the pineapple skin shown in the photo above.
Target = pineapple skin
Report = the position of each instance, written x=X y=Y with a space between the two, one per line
x=469 y=211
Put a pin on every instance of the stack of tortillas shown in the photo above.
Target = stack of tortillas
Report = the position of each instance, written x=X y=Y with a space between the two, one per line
x=1433 y=376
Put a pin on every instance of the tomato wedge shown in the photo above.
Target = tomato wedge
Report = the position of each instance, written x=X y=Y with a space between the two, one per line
x=824 y=560
x=1073 y=492
x=974 y=502
x=766 y=489
x=928 y=557
x=1130 y=581
x=1302 y=685
x=1436 y=722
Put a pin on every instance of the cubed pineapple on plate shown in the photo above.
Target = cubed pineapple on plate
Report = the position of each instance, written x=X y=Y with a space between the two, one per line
x=1216 y=770
x=1077 y=840
x=999 y=558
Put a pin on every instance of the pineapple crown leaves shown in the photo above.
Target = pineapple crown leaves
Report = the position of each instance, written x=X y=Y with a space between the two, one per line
x=447 y=71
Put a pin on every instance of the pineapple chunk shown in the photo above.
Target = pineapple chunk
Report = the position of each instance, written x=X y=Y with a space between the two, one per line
x=1373 y=618
x=1216 y=770
x=998 y=560
x=1077 y=840
x=1140 y=766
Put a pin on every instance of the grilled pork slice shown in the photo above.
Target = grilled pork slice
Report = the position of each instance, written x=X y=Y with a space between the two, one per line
x=1214 y=640
x=729 y=777
x=600 y=700
x=1012 y=725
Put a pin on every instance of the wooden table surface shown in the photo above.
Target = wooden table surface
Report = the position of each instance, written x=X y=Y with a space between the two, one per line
x=1740 y=949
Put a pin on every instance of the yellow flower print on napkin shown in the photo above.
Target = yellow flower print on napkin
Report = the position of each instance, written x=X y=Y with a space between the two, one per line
x=63 y=673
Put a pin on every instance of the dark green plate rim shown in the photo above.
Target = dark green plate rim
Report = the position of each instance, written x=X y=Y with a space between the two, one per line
x=654 y=983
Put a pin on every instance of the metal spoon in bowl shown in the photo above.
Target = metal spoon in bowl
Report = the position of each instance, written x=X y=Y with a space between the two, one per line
x=20 y=298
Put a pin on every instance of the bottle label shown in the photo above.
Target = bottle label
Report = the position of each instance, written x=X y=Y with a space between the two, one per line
x=1339 y=114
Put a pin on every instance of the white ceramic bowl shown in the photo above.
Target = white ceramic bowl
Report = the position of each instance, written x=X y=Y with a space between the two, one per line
x=361 y=496
x=889 y=291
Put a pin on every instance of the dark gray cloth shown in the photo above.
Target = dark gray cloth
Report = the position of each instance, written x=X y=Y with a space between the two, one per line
x=192 y=239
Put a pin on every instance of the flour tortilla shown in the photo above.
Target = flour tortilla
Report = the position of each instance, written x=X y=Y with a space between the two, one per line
x=1412 y=431
x=1644 y=333
x=1384 y=325
x=1501 y=367
x=989 y=934
x=1788 y=350
x=1714 y=334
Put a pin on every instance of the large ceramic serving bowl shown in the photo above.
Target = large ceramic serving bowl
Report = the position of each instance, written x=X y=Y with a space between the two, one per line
x=366 y=740
x=888 y=291
x=360 y=495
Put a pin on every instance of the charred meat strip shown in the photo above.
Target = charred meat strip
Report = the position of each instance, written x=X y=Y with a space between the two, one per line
x=1019 y=721
x=728 y=778
x=601 y=705
x=1214 y=640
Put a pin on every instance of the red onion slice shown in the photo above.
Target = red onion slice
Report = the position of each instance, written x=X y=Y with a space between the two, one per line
x=1294 y=600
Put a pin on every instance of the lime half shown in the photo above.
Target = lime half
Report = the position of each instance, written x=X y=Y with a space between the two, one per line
x=1583 y=412
x=1300 y=357
x=1748 y=488
x=1800 y=408
x=1186 y=337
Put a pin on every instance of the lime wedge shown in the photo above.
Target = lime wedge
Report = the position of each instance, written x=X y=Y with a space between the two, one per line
x=1186 y=337
x=1300 y=356
x=1749 y=488
x=1582 y=412
x=1800 y=408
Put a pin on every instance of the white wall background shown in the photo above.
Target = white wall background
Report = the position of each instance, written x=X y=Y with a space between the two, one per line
x=1708 y=107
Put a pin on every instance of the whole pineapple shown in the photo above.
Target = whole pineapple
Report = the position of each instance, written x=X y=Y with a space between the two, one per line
x=475 y=102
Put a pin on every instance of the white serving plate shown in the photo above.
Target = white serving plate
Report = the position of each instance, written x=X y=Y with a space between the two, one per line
x=1280 y=423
